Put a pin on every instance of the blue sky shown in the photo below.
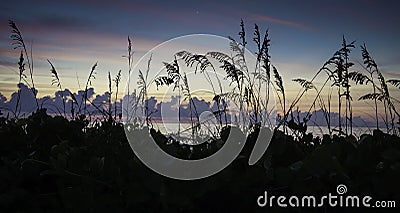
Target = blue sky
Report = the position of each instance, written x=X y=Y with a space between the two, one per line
x=76 y=34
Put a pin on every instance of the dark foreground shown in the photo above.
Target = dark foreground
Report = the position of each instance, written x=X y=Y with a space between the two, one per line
x=50 y=164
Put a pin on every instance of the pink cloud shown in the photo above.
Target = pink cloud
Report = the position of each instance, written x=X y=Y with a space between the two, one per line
x=285 y=22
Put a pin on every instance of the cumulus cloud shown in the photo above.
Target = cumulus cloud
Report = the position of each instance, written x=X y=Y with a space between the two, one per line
x=67 y=102
x=62 y=103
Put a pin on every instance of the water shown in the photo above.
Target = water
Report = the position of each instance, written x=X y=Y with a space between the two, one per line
x=183 y=132
x=185 y=129
x=321 y=130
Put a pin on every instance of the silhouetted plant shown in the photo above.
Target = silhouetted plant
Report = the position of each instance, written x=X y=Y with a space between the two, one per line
x=180 y=82
x=21 y=67
x=56 y=81
x=109 y=97
x=117 y=81
x=380 y=93
x=281 y=89
x=74 y=101
x=247 y=91
x=263 y=59
x=360 y=78
x=307 y=85
x=394 y=82
x=201 y=63
x=130 y=61
x=142 y=99
x=173 y=77
x=340 y=77
x=301 y=126
x=346 y=49
x=19 y=43
x=53 y=163
x=91 y=77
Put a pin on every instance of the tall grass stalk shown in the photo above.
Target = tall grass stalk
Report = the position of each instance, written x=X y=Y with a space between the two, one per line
x=21 y=67
x=380 y=93
x=109 y=97
x=200 y=63
x=281 y=89
x=143 y=84
x=130 y=61
x=56 y=81
x=339 y=75
x=91 y=77
x=117 y=81
x=19 y=43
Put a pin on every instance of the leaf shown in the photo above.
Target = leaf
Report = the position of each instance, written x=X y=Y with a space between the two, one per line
x=304 y=83
x=163 y=80
x=371 y=96
x=266 y=56
x=278 y=80
x=92 y=74
x=56 y=79
x=242 y=33
x=198 y=61
x=359 y=78
x=221 y=57
x=234 y=45
x=394 y=82
x=21 y=66
x=16 y=36
x=232 y=72
x=117 y=78
x=172 y=68
x=368 y=60
x=231 y=95
x=257 y=40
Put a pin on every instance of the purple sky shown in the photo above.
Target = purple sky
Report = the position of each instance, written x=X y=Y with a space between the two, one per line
x=76 y=34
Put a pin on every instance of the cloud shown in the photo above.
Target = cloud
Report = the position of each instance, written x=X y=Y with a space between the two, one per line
x=279 y=21
x=3 y=107
x=166 y=110
x=55 y=105
x=3 y=99
x=65 y=22
x=24 y=97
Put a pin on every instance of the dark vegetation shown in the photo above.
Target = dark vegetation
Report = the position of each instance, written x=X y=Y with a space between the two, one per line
x=71 y=163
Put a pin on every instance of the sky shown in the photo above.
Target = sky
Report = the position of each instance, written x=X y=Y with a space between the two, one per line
x=74 y=35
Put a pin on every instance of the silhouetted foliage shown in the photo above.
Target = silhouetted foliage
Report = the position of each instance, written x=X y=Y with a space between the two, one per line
x=51 y=163
x=65 y=164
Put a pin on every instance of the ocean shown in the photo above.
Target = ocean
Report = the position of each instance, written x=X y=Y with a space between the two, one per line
x=185 y=129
